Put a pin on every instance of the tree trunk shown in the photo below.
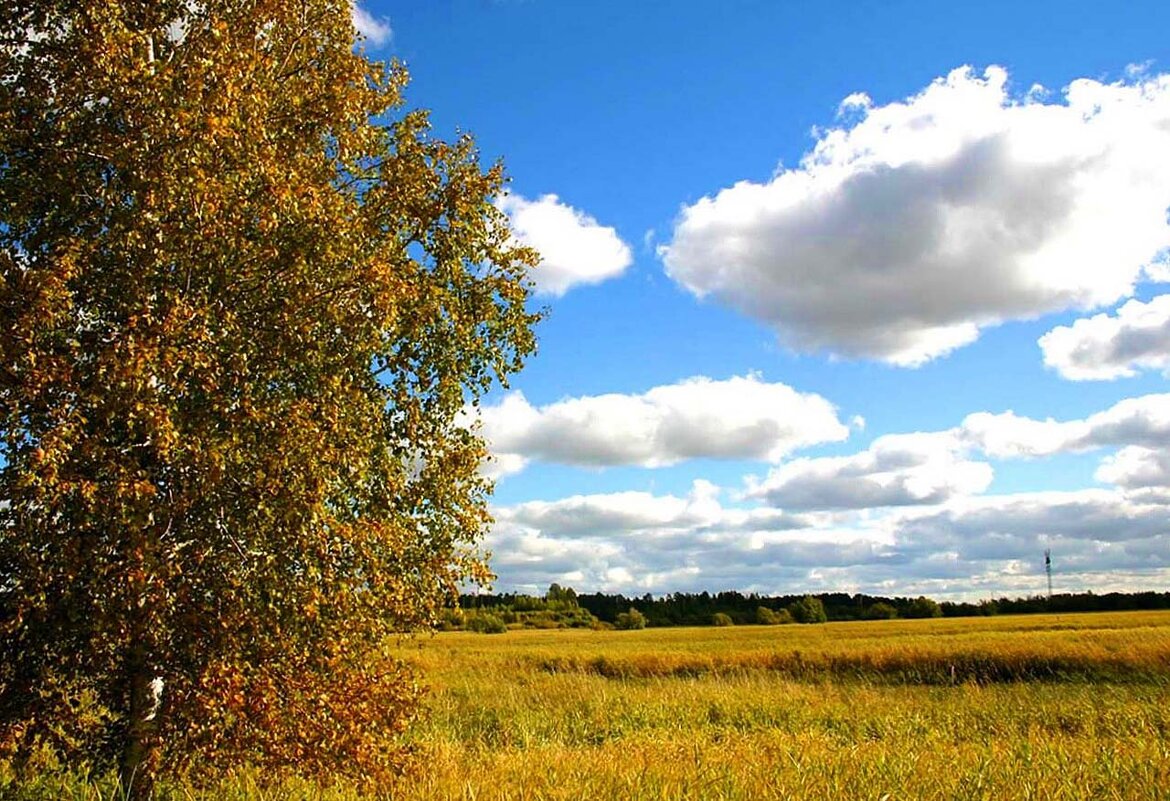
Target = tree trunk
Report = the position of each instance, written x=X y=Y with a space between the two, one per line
x=140 y=749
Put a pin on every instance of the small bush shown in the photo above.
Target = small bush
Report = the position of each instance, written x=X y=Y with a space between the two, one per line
x=808 y=610
x=923 y=607
x=988 y=608
x=880 y=611
x=486 y=623
x=772 y=617
x=631 y=620
x=722 y=619
x=451 y=619
x=578 y=619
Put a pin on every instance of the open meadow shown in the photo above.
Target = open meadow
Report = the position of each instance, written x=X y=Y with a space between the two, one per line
x=1019 y=707
x=1029 y=707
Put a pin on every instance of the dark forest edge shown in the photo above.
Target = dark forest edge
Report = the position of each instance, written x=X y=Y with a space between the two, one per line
x=563 y=607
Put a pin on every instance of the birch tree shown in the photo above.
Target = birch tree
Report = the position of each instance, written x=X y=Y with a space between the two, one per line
x=244 y=295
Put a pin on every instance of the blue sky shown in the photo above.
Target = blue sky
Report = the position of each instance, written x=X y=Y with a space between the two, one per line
x=862 y=296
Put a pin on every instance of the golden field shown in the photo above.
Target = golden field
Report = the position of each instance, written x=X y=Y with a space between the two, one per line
x=1029 y=707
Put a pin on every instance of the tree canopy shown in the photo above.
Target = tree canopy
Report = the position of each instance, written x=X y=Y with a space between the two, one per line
x=245 y=296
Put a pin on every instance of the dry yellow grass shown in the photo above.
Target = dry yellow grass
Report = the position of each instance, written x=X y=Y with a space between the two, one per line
x=1052 y=707
x=1038 y=707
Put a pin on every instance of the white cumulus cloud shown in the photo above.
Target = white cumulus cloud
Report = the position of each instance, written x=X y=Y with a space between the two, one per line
x=906 y=516
x=968 y=547
x=1135 y=467
x=980 y=527
x=899 y=236
x=737 y=418
x=575 y=249
x=631 y=541
x=1143 y=421
x=896 y=470
x=930 y=468
x=1104 y=347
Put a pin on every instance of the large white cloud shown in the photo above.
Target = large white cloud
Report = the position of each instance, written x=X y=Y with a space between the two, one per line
x=969 y=547
x=928 y=468
x=737 y=418
x=1089 y=514
x=1099 y=539
x=634 y=541
x=582 y=515
x=629 y=512
x=904 y=516
x=899 y=237
x=896 y=470
x=575 y=249
x=1143 y=421
x=1137 y=468
x=1105 y=347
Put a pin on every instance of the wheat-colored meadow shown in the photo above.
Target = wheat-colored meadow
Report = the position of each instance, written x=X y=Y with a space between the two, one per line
x=1037 y=707
x=1030 y=707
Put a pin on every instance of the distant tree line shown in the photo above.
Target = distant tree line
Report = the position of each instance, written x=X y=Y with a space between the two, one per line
x=562 y=607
